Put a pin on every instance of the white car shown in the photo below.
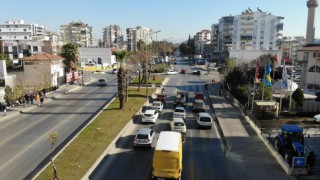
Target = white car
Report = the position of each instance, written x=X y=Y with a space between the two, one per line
x=157 y=105
x=180 y=112
x=178 y=125
x=150 y=116
x=144 y=137
x=204 y=120
x=317 y=118
x=172 y=72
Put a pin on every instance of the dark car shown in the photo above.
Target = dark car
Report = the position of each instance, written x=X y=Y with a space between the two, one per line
x=161 y=97
x=181 y=99
x=196 y=72
x=184 y=71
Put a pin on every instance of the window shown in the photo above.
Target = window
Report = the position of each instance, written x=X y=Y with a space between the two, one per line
x=314 y=69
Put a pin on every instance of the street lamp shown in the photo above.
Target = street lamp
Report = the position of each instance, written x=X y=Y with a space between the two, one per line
x=146 y=63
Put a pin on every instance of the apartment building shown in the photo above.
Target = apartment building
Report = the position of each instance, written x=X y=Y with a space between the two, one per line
x=202 y=41
x=136 y=34
x=78 y=33
x=113 y=37
x=19 y=39
x=248 y=35
x=257 y=31
x=290 y=47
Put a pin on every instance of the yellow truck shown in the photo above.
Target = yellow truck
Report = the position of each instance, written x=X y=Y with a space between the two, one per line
x=167 y=157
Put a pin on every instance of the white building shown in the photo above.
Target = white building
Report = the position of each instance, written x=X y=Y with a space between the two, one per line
x=313 y=67
x=18 y=39
x=78 y=33
x=136 y=34
x=96 y=56
x=113 y=37
x=257 y=31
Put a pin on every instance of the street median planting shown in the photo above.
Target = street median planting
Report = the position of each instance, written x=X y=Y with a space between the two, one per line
x=80 y=155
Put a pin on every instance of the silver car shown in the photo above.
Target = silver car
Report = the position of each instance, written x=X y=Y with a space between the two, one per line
x=204 y=120
x=178 y=125
x=102 y=82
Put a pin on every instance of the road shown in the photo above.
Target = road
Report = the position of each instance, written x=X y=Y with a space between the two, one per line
x=205 y=156
x=24 y=140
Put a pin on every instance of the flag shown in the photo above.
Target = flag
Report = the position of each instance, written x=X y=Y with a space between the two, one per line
x=284 y=77
x=267 y=78
x=276 y=58
x=256 y=76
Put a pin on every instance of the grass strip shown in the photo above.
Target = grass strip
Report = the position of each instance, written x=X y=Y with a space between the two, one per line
x=80 y=155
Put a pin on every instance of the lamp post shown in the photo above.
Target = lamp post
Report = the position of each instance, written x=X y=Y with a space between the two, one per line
x=146 y=63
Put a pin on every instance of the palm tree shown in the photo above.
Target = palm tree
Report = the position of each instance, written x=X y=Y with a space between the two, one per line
x=121 y=57
x=71 y=54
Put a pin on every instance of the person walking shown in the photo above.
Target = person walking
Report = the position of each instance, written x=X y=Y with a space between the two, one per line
x=41 y=98
x=4 y=109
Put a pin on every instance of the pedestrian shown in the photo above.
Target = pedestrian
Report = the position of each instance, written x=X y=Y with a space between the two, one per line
x=220 y=91
x=23 y=100
x=31 y=98
x=44 y=91
x=206 y=86
x=213 y=82
x=41 y=98
x=4 y=109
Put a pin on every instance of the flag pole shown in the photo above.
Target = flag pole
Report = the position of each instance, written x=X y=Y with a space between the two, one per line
x=264 y=79
x=274 y=69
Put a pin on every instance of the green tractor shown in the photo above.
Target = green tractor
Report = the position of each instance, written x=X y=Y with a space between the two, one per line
x=290 y=143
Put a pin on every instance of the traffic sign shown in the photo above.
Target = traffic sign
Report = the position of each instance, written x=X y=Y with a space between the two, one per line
x=299 y=161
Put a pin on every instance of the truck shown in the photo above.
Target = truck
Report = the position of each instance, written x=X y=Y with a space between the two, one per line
x=167 y=157
x=290 y=143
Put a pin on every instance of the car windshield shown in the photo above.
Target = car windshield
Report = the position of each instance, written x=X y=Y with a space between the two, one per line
x=101 y=80
x=179 y=124
x=148 y=115
x=156 y=104
x=205 y=119
x=179 y=110
x=142 y=136
x=198 y=103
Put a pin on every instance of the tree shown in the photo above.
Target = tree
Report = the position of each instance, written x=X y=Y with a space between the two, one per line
x=8 y=96
x=53 y=137
x=71 y=54
x=267 y=92
x=6 y=57
x=298 y=96
x=121 y=57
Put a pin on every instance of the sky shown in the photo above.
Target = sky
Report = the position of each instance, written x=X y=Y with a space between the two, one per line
x=176 y=19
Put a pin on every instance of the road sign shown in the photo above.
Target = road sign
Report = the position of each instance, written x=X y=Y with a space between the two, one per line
x=307 y=150
x=299 y=161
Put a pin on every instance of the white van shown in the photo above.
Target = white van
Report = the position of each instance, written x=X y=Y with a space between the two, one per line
x=167 y=157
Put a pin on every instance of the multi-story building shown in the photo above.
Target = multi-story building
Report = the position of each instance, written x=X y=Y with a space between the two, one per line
x=19 y=39
x=78 y=33
x=290 y=47
x=52 y=43
x=257 y=31
x=202 y=41
x=136 y=34
x=215 y=37
x=113 y=37
x=248 y=35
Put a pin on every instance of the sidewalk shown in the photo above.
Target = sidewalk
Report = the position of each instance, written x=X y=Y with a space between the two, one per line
x=244 y=148
x=15 y=111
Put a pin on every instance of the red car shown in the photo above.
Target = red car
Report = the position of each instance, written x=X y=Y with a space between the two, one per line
x=199 y=95
x=184 y=71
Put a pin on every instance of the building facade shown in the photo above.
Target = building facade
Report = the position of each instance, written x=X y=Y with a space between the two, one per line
x=78 y=33
x=113 y=37
x=202 y=41
x=134 y=35
x=18 y=39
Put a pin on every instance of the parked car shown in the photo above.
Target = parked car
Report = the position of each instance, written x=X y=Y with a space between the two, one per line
x=102 y=82
x=177 y=124
x=157 y=105
x=150 y=116
x=317 y=118
x=199 y=105
x=161 y=97
x=144 y=137
x=204 y=120
x=172 y=72
x=180 y=112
